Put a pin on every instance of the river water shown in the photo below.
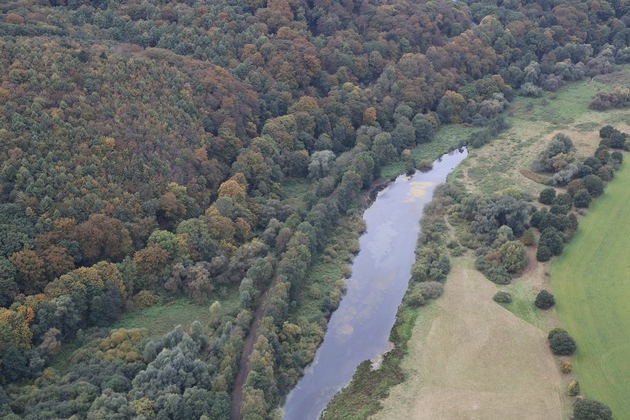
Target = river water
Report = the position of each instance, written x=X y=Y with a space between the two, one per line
x=359 y=329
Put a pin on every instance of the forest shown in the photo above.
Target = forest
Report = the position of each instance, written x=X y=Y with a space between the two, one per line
x=155 y=150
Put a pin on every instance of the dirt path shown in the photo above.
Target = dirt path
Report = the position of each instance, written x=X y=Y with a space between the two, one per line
x=476 y=360
x=248 y=347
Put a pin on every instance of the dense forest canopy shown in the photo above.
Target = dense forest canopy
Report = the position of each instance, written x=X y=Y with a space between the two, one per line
x=146 y=148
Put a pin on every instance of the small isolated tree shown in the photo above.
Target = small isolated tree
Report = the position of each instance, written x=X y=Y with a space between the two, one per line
x=544 y=300
x=502 y=297
x=562 y=344
x=547 y=196
x=585 y=409
x=582 y=199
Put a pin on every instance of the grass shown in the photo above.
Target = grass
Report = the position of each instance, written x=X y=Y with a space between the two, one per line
x=475 y=360
x=162 y=318
x=590 y=282
x=295 y=189
x=522 y=304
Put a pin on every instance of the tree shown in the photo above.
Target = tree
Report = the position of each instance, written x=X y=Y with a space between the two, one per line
x=102 y=237
x=513 y=256
x=496 y=211
x=547 y=196
x=562 y=344
x=544 y=300
x=582 y=199
x=543 y=254
x=594 y=185
x=425 y=132
x=321 y=164
x=31 y=270
x=585 y=409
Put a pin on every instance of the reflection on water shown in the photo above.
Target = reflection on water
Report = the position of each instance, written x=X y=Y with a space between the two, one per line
x=359 y=329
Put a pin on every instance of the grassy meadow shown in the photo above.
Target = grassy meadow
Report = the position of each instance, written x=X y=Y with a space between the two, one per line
x=591 y=284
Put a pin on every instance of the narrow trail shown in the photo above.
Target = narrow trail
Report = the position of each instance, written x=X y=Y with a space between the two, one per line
x=248 y=347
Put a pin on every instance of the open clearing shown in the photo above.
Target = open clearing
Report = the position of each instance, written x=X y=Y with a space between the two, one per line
x=534 y=121
x=591 y=284
x=476 y=360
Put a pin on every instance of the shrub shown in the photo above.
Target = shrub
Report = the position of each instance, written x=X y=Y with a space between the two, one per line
x=585 y=409
x=544 y=300
x=145 y=299
x=529 y=238
x=547 y=196
x=562 y=344
x=566 y=367
x=551 y=238
x=495 y=273
x=607 y=131
x=416 y=298
x=543 y=254
x=573 y=389
x=431 y=289
x=564 y=200
x=502 y=297
x=513 y=256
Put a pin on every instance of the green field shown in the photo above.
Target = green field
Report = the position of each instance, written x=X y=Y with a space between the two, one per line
x=591 y=282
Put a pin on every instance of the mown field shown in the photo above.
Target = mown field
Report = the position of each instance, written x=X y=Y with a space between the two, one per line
x=591 y=282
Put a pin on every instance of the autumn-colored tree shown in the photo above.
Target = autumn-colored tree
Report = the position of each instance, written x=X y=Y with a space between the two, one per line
x=31 y=270
x=57 y=261
x=103 y=237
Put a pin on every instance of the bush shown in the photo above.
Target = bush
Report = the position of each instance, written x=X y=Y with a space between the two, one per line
x=562 y=344
x=416 y=298
x=145 y=299
x=585 y=409
x=573 y=389
x=543 y=254
x=495 y=273
x=513 y=256
x=566 y=367
x=431 y=289
x=547 y=196
x=502 y=297
x=544 y=300
x=529 y=238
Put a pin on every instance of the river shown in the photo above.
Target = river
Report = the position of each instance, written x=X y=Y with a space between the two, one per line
x=359 y=329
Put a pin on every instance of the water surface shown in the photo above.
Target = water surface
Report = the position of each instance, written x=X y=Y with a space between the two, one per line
x=359 y=329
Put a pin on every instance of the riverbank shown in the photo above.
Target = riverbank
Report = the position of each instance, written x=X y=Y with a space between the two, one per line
x=359 y=329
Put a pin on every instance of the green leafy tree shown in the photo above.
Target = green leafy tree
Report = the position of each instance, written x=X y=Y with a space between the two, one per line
x=585 y=409
x=544 y=300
